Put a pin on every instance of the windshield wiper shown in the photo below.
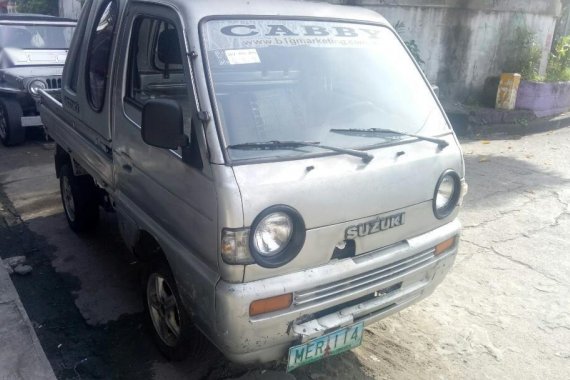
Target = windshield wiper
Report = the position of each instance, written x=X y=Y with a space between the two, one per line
x=276 y=144
x=442 y=144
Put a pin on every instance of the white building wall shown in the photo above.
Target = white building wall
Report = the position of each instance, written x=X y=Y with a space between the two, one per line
x=463 y=42
x=69 y=8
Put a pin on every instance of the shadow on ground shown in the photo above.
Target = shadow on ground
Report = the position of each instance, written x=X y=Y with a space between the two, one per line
x=514 y=131
x=504 y=177
x=74 y=349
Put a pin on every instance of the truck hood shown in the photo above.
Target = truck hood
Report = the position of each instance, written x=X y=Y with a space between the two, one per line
x=35 y=57
x=340 y=188
x=335 y=193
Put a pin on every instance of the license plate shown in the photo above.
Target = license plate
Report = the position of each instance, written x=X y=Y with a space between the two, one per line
x=327 y=345
x=31 y=121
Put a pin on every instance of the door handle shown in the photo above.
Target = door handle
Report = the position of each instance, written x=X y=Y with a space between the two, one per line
x=127 y=168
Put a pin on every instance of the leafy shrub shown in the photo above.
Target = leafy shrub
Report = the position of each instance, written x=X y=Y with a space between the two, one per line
x=411 y=44
x=45 y=7
x=559 y=63
x=525 y=55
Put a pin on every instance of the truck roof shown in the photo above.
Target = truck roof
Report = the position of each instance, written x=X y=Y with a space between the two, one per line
x=28 y=17
x=198 y=9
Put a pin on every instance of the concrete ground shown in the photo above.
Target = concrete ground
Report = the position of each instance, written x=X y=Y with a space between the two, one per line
x=503 y=312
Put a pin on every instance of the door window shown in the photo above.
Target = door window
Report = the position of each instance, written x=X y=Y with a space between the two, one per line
x=155 y=63
x=98 y=56
x=155 y=70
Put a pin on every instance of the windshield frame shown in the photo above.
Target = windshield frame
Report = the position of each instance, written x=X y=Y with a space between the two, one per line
x=257 y=160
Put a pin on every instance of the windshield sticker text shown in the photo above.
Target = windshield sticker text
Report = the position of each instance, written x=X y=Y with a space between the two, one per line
x=274 y=30
x=242 y=57
x=286 y=33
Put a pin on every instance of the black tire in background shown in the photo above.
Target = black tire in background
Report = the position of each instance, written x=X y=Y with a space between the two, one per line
x=188 y=340
x=11 y=130
x=79 y=196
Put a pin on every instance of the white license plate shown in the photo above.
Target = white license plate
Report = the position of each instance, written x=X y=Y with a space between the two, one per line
x=327 y=345
x=31 y=121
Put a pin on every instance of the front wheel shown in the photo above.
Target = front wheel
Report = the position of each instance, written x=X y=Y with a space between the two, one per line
x=11 y=130
x=172 y=328
x=79 y=198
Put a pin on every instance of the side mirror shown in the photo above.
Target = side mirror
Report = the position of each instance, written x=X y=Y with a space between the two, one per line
x=163 y=124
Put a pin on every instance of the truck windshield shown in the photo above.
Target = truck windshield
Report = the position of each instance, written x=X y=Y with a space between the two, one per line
x=298 y=80
x=36 y=36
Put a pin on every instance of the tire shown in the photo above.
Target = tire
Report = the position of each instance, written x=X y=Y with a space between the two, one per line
x=11 y=130
x=79 y=196
x=171 y=326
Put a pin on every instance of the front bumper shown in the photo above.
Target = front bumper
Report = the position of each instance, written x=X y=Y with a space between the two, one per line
x=365 y=288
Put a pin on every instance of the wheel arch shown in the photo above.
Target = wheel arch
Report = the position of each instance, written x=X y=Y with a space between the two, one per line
x=61 y=158
x=147 y=248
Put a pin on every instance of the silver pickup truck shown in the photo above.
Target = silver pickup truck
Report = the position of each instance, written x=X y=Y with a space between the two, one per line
x=282 y=170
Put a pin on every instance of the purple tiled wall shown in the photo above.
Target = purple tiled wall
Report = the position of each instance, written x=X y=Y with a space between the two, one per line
x=544 y=99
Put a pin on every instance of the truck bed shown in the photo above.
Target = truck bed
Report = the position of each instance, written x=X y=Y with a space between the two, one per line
x=85 y=146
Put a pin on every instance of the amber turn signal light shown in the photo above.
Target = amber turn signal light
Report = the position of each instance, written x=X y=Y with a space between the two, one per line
x=444 y=246
x=268 y=305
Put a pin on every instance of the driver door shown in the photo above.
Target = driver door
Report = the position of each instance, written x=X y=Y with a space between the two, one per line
x=173 y=200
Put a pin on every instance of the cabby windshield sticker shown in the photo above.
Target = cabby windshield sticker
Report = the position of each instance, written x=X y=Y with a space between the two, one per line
x=242 y=34
x=242 y=56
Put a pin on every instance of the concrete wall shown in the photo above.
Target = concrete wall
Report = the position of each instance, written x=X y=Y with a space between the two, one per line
x=465 y=41
x=544 y=99
x=69 y=8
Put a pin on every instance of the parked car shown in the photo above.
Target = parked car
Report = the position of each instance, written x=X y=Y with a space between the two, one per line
x=283 y=180
x=33 y=49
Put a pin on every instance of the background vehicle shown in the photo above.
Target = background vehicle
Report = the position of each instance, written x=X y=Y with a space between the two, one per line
x=33 y=49
x=244 y=155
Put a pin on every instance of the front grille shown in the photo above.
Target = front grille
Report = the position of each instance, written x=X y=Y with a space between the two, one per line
x=53 y=83
x=364 y=280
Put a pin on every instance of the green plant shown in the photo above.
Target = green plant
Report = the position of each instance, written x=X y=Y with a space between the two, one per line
x=525 y=55
x=559 y=63
x=46 y=7
x=411 y=44
x=415 y=50
x=522 y=121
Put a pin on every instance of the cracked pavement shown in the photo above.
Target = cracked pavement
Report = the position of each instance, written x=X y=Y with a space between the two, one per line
x=503 y=312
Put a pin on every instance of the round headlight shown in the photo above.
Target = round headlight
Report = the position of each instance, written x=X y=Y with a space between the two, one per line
x=37 y=85
x=447 y=194
x=273 y=233
x=277 y=236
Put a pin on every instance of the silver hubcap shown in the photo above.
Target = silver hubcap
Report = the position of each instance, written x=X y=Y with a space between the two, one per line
x=3 y=124
x=68 y=203
x=163 y=309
